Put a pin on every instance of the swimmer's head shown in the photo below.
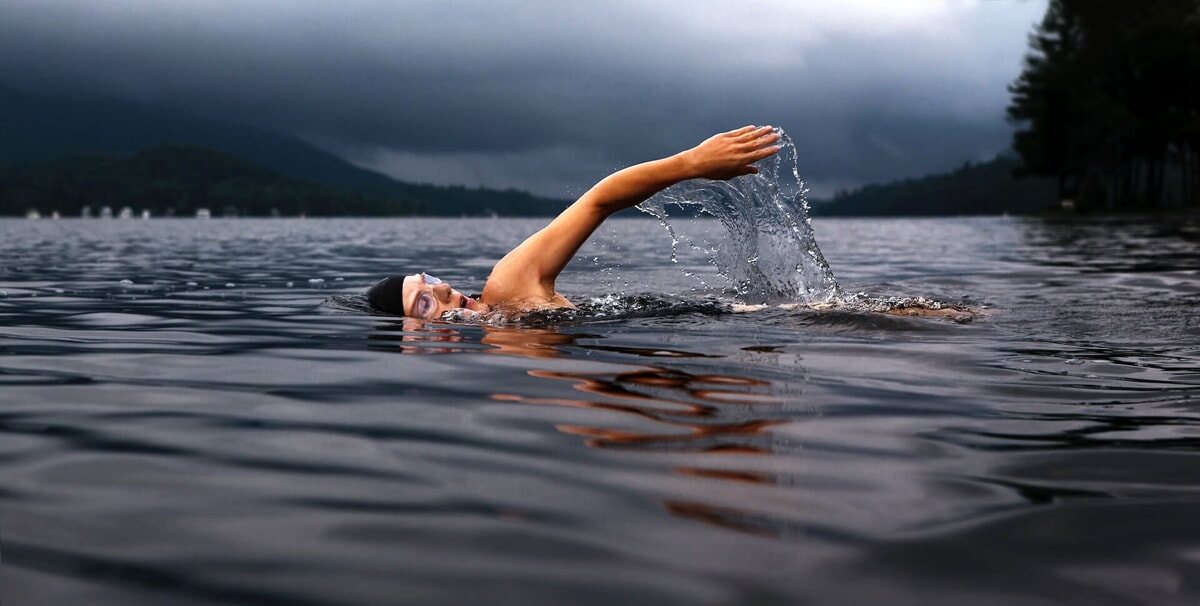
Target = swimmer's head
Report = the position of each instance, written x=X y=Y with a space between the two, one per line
x=419 y=296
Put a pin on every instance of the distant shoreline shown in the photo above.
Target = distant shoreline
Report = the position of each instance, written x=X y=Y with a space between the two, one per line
x=1172 y=213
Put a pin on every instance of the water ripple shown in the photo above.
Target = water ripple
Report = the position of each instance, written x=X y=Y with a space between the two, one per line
x=172 y=439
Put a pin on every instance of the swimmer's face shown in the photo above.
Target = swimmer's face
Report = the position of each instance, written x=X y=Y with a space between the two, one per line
x=427 y=297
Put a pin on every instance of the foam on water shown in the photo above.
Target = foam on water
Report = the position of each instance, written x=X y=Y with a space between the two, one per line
x=768 y=251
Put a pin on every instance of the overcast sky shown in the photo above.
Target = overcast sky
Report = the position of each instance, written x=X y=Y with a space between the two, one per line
x=551 y=95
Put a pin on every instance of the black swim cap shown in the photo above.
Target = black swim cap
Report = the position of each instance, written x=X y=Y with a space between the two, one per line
x=387 y=295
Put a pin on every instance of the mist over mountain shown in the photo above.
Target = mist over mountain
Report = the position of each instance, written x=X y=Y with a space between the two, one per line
x=36 y=130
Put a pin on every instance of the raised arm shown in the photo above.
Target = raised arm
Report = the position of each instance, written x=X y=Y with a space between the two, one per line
x=527 y=273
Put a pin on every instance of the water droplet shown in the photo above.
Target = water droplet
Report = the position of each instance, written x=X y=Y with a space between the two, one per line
x=230 y=285
x=291 y=284
x=316 y=281
x=126 y=282
x=193 y=284
x=1075 y=361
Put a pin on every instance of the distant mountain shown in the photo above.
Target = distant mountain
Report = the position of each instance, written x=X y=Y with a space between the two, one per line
x=37 y=129
x=974 y=189
x=178 y=180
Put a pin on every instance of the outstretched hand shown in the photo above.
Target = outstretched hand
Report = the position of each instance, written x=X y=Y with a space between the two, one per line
x=732 y=154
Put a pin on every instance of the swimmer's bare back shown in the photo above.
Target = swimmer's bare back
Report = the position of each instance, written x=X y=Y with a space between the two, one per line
x=914 y=308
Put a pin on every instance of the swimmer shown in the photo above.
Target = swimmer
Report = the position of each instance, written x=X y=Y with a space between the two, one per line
x=524 y=279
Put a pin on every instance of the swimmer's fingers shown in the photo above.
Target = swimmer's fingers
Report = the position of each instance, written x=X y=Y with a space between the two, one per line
x=761 y=147
x=757 y=144
x=732 y=153
x=765 y=151
x=750 y=131
x=755 y=132
x=737 y=132
x=756 y=136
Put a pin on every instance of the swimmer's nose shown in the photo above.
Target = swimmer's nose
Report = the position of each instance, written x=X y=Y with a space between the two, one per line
x=442 y=290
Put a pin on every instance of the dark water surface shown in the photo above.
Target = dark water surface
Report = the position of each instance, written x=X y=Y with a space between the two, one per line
x=218 y=430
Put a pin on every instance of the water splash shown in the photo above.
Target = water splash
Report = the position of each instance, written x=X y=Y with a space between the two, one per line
x=769 y=253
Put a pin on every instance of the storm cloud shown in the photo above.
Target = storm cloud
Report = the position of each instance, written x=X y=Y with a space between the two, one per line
x=549 y=96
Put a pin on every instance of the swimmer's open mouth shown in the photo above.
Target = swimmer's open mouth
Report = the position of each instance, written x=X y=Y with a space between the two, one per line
x=463 y=303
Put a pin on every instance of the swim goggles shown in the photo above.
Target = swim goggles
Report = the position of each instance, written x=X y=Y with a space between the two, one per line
x=425 y=303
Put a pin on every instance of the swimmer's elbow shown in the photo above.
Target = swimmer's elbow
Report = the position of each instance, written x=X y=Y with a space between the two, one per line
x=595 y=209
x=631 y=186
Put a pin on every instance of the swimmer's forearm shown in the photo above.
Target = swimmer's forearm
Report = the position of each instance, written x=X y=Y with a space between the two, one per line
x=631 y=186
x=722 y=156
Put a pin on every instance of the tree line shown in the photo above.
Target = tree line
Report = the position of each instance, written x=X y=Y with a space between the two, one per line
x=1108 y=103
x=178 y=180
x=986 y=188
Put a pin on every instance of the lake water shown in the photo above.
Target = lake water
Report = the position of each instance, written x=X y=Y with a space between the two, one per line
x=195 y=412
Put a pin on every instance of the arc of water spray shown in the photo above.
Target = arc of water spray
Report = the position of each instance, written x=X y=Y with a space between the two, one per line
x=769 y=253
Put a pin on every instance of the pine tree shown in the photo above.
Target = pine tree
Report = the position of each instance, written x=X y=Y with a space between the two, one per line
x=1110 y=98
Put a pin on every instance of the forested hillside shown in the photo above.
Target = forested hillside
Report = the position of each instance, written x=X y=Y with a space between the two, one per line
x=178 y=180
x=973 y=189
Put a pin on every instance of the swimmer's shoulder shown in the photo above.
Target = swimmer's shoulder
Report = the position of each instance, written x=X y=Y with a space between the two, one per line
x=520 y=288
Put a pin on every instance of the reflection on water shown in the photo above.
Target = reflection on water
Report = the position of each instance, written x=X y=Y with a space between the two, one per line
x=686 y=412
x=417 y=336
x=1143 y=246
x=689 y=411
